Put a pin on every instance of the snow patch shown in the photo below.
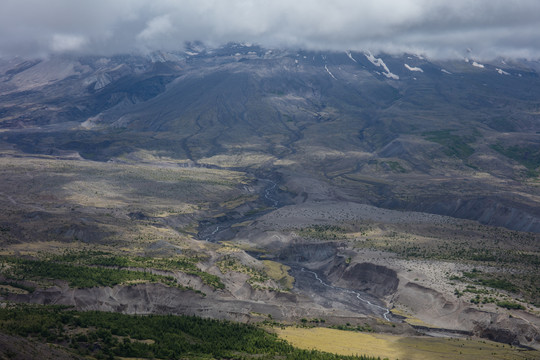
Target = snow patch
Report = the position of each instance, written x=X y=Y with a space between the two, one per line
x=328 y=71
x=380 y=63
x=502 y=72
x=191 y=53
x=391 y=76
x=446 y=71
x=478 y=65
x=350 y=56
x=413 y=68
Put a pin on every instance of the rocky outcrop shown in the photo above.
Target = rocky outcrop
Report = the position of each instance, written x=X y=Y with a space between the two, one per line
x=145 y=298
x=305 y=252
x=508 y=330
x=436 y=309
x=151 y=298
x=373 y=279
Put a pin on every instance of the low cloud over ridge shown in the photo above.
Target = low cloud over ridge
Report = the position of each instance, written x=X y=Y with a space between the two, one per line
x=436 y=28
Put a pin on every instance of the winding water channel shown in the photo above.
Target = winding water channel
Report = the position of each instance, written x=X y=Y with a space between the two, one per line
x=270 y=191
x=210 y=233
x=305 y=280
x=358 y=295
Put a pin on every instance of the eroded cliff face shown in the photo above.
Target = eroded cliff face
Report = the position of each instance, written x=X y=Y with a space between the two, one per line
x=442 y=311
x=308 y=252
x=311 y=299
x=508 y=330
x=439 y=309
x=148 y=298
x=374 y=279
x=152 y=298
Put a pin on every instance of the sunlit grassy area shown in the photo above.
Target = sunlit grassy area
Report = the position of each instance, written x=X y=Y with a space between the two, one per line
x=411 y=319
x=279 y=272
x=106 y=335
x=98 y=184
x=120 y=204
x=400 y=347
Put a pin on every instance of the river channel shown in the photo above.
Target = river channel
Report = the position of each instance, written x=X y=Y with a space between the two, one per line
x=306 y=281
x=331 y=296
x=217 y=232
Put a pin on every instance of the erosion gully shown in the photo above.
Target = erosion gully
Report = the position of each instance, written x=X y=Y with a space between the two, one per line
x=269 y=194
x=306 y=281
x=361 y=296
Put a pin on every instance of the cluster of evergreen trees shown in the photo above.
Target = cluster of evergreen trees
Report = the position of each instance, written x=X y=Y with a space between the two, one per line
x=79 y=276
x=94 y=268
x=110 y=335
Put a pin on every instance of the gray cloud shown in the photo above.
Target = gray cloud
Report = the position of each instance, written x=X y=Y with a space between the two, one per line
x=435 y=28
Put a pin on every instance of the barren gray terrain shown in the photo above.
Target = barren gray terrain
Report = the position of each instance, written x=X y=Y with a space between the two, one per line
x=291 y=186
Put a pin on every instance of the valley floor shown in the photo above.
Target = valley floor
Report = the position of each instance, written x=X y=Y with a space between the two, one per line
x=146 y=238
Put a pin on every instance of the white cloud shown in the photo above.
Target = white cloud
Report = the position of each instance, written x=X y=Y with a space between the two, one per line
x=438 y=28
x=67 y=42
x=156 y=27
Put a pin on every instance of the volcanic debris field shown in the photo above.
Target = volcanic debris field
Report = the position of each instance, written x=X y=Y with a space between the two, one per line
x=246 y=203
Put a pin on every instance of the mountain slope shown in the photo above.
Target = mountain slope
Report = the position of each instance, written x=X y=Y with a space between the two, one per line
x=398 y=132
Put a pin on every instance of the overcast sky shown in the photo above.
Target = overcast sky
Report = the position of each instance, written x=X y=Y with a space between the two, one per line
x=436 y=28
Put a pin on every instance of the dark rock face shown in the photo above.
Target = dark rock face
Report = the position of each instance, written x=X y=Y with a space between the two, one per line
x=497 y=334
x=374 y=279
x=508 y=330
x=138 y=215
x=139 y=299
x=300 y=253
